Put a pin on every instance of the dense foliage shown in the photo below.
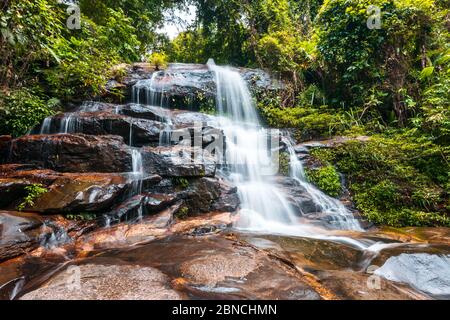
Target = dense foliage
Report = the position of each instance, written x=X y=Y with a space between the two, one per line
x=43 y=61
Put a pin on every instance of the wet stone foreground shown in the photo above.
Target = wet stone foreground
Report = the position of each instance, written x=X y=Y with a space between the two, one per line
x=146 y=226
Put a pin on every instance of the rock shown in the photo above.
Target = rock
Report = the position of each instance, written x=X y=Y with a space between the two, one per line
x=4 y=147
x=177 y=161
x=140 y=205
x=427 y=272
x=68 y=192
x=103 y=282
x=186 y=86
x=215 y=268
x=73 y=153
x=298 y=196
x=145 y=112
x=20 y=232
x=124 y=234
x=82 y=193
x=209 y=194
x=350 y=285
x=140 y=131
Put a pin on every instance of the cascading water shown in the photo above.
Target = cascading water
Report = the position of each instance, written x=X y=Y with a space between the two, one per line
x=341 y=217
x=45 y=128
x=153 y=92
x=264 y=207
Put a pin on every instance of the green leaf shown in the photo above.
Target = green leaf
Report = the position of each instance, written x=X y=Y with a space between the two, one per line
x=426 y=73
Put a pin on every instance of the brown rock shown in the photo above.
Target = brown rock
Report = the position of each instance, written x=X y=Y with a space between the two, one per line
x=20 y=232
x=73 y=153
x=102 y=282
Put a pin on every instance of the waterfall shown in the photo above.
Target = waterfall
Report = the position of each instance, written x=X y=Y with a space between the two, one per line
x=138 y=168
x=153 y=91
x=45 y=127
x=342 y=218
x=137 y=173
x=264 y=207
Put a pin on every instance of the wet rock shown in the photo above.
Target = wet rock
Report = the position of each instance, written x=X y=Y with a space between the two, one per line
x=68 y=192
x=73 y=153
x=210 y=222
x=82 y=193
x=228 y=200
x=435 y=235
x=213 y=267
x=177 y=161
x=103 y=282
x=122 y=235
x=141 y=205
x=20 y=232
x=145 y=112
x=137 y=132
x=188 y=86
x=4 y=147
x=209 y=194
x=298 y=197
x=426 y=272
x=350 y=285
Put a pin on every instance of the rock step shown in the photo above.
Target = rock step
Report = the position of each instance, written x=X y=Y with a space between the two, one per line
x=107 y=154
x=138 y=125
x=111 y=193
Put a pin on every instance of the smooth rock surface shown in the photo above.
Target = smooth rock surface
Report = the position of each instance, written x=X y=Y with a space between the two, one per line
x=113 y=282
x=73 y=153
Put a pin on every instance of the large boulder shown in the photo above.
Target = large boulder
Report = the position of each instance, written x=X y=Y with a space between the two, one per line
x=20 y=233
x=67 y=192
x=73 y=153
x=136 y=132
x=182 y=86
x=101 y=282
x=177 y=161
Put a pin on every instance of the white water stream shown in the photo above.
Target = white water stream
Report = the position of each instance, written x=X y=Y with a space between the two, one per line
x=264 y=206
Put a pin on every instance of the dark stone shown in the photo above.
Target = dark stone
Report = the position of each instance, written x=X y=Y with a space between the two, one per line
x=209 y=194
x=141 y=205
x=73 y=153
x=177 y=161
x=20 y=233
x=141 y=131
x=68 y=192
x=4 y=147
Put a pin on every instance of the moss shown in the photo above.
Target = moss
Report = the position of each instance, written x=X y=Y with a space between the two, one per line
x=82 y=216
x=182 y=213
x=327 y=179
x=396 y=180
x=180 y=182
x=283 y=163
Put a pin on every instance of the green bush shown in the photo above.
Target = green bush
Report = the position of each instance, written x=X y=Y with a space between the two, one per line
x=326 y=179
x=159 y=60
x=21 y=110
